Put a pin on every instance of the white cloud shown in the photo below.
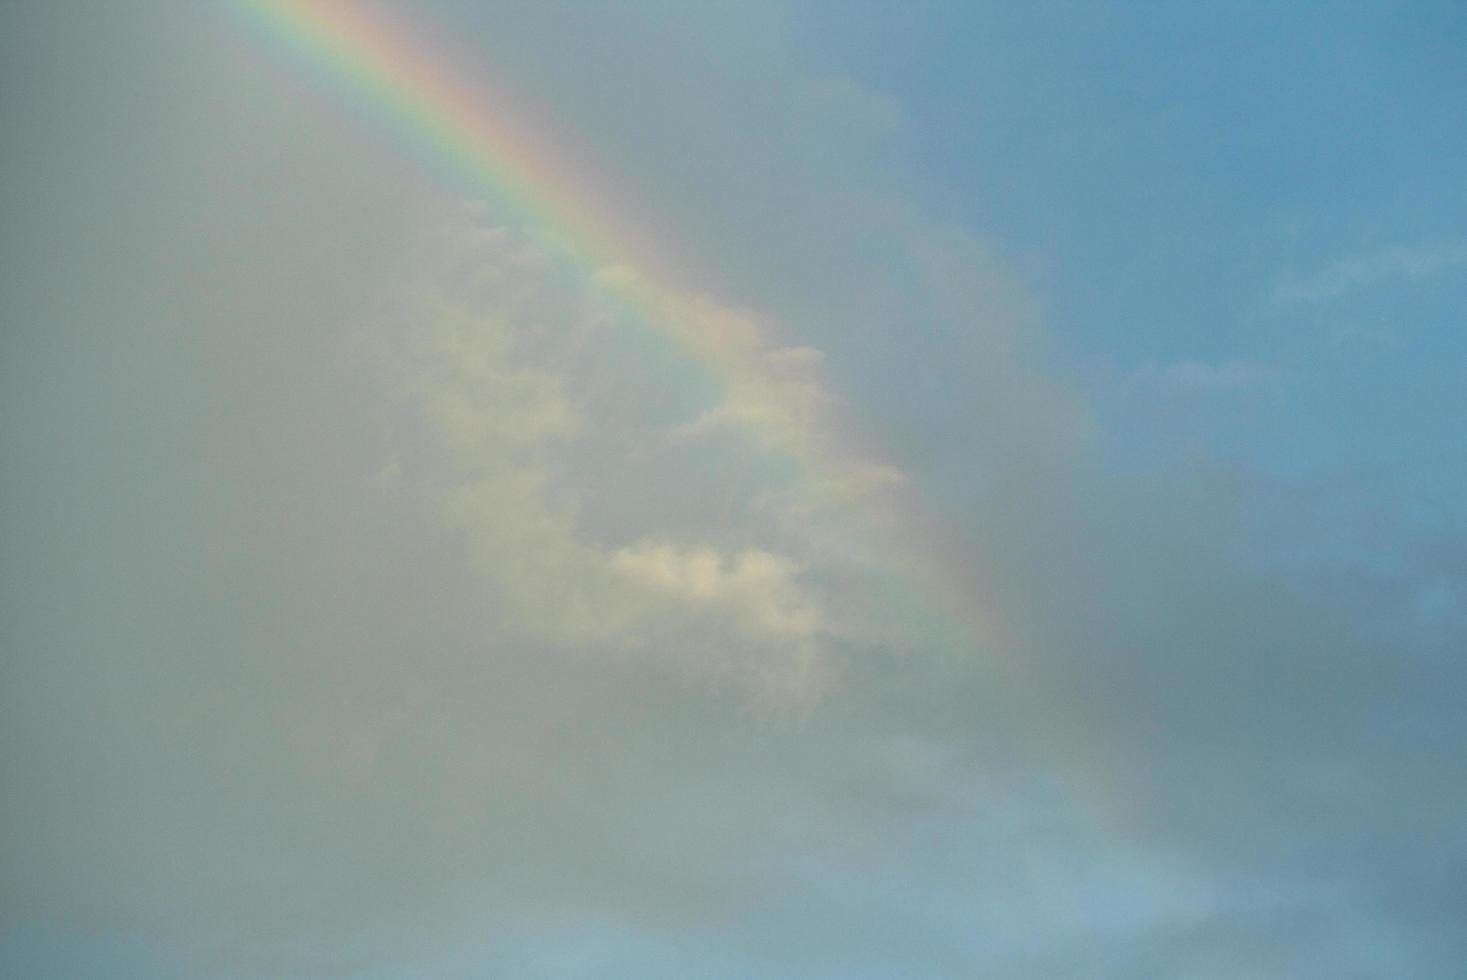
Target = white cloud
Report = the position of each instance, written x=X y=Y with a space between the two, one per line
x=1412 y=263
x=491 y=378
x=1206 y=377
x=761 y=587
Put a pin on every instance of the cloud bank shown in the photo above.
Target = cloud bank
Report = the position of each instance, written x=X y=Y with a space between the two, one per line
x=379 y=603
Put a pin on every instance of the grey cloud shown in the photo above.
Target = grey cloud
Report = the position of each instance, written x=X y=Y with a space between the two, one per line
x=261 y=698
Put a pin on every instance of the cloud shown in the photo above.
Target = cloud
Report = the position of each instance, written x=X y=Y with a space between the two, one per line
x=845 y=100
x=1157 y=680
x=362 y=609
x=491 y=378
x=1204 y=377
x=1412 y=263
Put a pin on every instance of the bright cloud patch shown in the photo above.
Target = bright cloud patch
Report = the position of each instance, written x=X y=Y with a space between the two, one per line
x=514 y=389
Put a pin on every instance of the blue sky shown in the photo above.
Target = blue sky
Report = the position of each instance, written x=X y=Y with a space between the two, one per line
x=381 y=599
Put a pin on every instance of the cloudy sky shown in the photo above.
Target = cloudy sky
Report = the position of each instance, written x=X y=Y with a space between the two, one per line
x=749 y=489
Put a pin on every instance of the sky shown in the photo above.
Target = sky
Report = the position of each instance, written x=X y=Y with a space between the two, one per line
x=779 y=489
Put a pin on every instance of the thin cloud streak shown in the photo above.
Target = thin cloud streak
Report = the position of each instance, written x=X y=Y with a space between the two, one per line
x=1411 y=263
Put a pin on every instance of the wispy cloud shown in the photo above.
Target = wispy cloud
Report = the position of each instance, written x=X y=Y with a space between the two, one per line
x=1348 y=275
x=1209 y=377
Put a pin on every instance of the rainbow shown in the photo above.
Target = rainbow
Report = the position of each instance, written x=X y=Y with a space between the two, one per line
x=373 y=61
